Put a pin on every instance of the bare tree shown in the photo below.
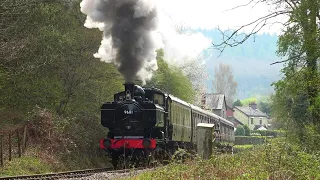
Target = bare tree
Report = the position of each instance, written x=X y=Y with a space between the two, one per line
x=299 y=43
x=197 y=73
x=224 y=82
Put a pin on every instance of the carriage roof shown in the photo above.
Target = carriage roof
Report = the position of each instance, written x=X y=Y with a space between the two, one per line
x=196 y=108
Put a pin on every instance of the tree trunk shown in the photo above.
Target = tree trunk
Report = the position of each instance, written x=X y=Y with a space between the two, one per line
x=310 y=42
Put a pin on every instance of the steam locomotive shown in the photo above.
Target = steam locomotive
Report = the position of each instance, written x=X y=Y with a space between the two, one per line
x=146 y=122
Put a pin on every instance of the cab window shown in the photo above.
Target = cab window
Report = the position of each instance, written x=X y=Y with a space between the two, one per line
x=158 y=99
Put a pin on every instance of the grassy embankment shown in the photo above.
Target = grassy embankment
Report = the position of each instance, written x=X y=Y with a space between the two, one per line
x=57 y=144
x=275 y=160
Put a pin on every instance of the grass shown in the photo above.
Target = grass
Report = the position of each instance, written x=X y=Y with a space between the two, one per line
x=23 y=166
x=38 y=160
x=275 y=160
x=240 y=148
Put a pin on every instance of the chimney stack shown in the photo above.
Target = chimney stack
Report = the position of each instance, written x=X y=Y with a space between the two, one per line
x=253 y=105
x=129 y=88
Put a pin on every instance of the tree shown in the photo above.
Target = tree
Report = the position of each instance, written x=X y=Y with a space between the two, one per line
x=224 y=82
x=171 y=80
x=196 y=72
x=50 y=63
x=246 y=130
x=237 y=103
x=264 y=107
x=239 y=131
x=299 y=44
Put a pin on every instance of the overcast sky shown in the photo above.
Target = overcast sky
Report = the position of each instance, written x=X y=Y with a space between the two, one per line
x=210 y=14
x=205 y=14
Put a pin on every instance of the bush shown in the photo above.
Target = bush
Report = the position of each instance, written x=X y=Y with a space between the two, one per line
x=239 y=131
x=275 y=160
x=240 y=148
x=255 y=134
x=274 y=133
x=242 y=140
x=246 y=130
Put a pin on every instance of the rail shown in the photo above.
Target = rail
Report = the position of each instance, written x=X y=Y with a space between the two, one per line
x=72 y=174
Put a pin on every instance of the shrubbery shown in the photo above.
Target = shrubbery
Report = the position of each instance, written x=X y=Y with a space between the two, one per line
x=239 y=131
x=240 y=148
x=275 y=160
x=246 y=130
x=243 y=140
x=274 y=133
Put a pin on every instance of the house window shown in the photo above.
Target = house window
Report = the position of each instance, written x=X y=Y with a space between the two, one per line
x=252 y=120
x=261 y=121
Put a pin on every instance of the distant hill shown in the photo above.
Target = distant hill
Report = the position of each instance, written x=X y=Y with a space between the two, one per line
x=250 y=62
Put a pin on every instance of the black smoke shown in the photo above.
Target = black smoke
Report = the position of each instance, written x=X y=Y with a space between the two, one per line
x=130 y=39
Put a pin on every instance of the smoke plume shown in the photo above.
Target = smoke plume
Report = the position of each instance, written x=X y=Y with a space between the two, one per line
x=130 y=37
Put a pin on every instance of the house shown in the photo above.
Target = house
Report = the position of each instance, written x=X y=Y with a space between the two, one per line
x=251 y=116
x=229 y=110
x=230 y=116
x=215 y=103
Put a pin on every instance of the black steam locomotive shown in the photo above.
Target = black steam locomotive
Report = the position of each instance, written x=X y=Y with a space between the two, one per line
x=146 y=122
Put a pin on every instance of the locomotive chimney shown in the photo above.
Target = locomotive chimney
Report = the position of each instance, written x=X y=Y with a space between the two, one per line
x=129 y=90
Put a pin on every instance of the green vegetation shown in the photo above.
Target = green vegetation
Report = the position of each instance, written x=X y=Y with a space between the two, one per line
x=239 y=131
x=240 y=148
x=237 y=103
x=25 y=165
x=296 y=104
x=276 y=160
x=274 y=133
x=246 y=102
x=49 y=77
x=171 y=80
x=264 y=103
x=246 y=130
x=243 y=140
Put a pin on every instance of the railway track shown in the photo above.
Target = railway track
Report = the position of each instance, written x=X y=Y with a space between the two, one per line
x=72 y=174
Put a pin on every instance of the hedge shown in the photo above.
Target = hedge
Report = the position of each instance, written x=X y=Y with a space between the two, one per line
x=274 y=133
x=239 y=148
x=242 y=140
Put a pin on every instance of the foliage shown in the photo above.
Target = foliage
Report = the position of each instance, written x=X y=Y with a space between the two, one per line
x=224 y=82
x=81 y=136
x=274 y=133
x=264 y=103
x=246 y=102
x=239 y=131
x=49 y=76
x=275 y=160
x=54 y=80
x=264 y=107
x=65 y=69
x=243 y=140
x=246 y=130
x=171 y=80
x=25 y=165
x=237 y=103
x=296 y=100
x=240 y=148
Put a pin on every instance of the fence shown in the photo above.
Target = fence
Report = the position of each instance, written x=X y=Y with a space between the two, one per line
x=13 y=143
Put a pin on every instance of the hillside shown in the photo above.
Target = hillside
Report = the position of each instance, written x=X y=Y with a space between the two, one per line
x=250 y=61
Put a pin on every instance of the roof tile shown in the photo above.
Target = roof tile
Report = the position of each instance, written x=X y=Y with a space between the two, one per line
x=251 y=112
